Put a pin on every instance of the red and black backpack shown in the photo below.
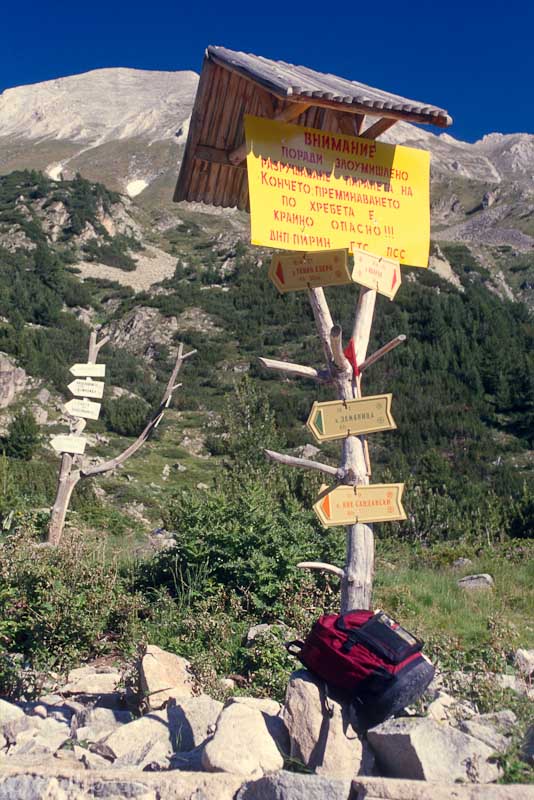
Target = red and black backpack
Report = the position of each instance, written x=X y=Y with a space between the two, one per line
x=370 y=656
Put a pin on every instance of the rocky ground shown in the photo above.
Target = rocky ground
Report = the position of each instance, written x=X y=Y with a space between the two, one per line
x=92 y=737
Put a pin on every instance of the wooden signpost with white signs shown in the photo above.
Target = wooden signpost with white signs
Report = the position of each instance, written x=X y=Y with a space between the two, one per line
x=72 y=447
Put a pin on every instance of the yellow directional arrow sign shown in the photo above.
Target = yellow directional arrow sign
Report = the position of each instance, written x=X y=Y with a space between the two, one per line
x=338 y=419
x=83 y=408
x=69 y=444
x=88 y=370
x=87 y=388
x=304 y=270
x=346 y=505
x=377 y=272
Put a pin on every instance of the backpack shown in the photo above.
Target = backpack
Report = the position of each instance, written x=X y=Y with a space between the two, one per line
x=370 y=656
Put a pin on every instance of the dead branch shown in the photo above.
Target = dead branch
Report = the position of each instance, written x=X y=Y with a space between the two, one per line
x=321 y=565
x=382 y=351
x=296 y=370
x=303 y=463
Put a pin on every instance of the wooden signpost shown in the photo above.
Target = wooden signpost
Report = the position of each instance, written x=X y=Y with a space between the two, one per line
x=83 y=408
x=347 y=505
x=87 y=388
x=377 y=272
x=69 y=444
x=340 y=418
x=306 y=270
x=88 y=370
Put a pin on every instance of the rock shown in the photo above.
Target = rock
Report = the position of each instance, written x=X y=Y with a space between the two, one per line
x=320 y=731
x=40 y=736
x=92 y=681
x=476 y=582
x=485 y=733
x=9 y=712
x=194 y=718
x=271 y=711
x=445 y=708
x=228 y=684
x=202 y=486
x=43 y=396
x=190 y=761
x=516 y=683
x=461 y=563
x=307 y=451
x=88 y=759
x=166 y=471
x=96 y=723
x=13 y=380
x=422 y=749
x=149 y=738
x=40 y=711
x=257 y=630
x=241 y=744
x=292 y=786
x=524 y=660
x=164 y=675
x=179 y=467
x=527 y=747
x=387 y=789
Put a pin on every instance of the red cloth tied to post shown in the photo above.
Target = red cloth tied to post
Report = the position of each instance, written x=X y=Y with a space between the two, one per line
x=350 y=354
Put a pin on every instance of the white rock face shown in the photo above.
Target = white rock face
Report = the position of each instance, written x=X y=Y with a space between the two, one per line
x=164 y=675
x=325 y=742
x=419 y=748
x=100 y=106
x=241 y=744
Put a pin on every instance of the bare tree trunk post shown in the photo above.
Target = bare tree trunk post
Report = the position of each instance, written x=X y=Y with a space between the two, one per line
x=72 y=471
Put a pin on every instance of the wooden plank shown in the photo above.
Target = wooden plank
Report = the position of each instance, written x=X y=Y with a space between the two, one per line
x=288 y=114
x=197 y=118
x=214 y=155
x=378 y=127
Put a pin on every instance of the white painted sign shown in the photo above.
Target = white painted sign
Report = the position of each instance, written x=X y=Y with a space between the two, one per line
x=87 y=388
x=88 y=370
x=83 y=408
x=69 y=444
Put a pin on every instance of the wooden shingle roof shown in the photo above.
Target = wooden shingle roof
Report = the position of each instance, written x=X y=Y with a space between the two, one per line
x=233 y=84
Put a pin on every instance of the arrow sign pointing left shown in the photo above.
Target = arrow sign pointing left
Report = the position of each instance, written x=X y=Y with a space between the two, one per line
x=69 y=444
x=83 y=408
x=309 y=270
x=88 y=370
x=337 y=419
x=87 y=388
x=347 y=505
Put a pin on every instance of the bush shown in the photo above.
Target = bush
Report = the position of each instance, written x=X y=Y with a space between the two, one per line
x=22 y=436
x=126 y=415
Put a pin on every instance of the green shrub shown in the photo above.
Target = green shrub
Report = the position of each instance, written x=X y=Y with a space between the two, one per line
x=126 y=415
x=23 y=436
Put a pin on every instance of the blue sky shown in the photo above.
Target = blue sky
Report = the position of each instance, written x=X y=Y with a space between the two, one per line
x=474 y=59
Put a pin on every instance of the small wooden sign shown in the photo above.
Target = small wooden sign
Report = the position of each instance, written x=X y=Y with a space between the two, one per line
x=377 y=272
x=309 y=270
x=347 y=505
x=83 y=408
x=87 y=388
x=337 y=419
x=69 y=444
x=88 y=370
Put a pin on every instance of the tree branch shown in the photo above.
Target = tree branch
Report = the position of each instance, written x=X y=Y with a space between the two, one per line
x=296 y=370
x=336 y=342
x=323 y=320
x=105 y=466
x=322 y=566
x=303 y=463
x=382 y=351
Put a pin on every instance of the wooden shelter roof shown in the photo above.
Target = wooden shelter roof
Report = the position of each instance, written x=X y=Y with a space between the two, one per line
x=233 y=84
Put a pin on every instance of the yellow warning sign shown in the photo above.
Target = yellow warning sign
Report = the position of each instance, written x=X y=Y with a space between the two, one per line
x=315 y=190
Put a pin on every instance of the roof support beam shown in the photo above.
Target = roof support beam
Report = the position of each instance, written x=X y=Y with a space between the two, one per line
x=378 y=127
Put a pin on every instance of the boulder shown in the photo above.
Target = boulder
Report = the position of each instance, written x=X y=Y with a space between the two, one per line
x=524 y=660
x=271 y=711
x=93 y=724
x=194 y=719
x=149 y=738
x=40 y=736
x=13 y=380
x=90 y=681
x=422 y=749
x=241 y=744
x=388 y=789
x=527 y=747
x=292 y=786
x=461 y=563
x=476 y=582
x=485 y=733
x=164 y=675
x=320 y=730
x=9 y=712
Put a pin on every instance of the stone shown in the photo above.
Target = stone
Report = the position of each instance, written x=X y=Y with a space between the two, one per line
x=9 y=712
x=271 y=711
x=90 y=681
x=88 y=759
x=516 y=684
x=153 y=737
x=94 y=724
x=387 y=789
x=13 y=380
x=445 y=708
x=320 y=730
x=263 y=704
x=485 y=733
x=241 y=744
x=505 y=721
x=476 y=582
x=257 y=630
x=307 y=451
x=194 y=719
x=527 y=747
x=40 y=736
x=422 y=749
x=228 y=684
x=524 y=661
x=292 y=786
x=164 y=675
x=461 y=563
x=40 y=711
